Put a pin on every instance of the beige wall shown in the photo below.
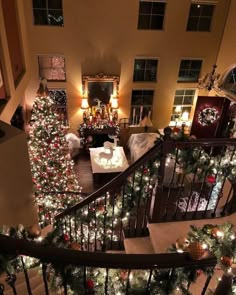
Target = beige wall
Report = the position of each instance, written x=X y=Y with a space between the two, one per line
x=15 y=94
x=102 y=36
x=16 y=187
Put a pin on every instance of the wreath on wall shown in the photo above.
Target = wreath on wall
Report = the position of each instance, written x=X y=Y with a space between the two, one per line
x=208 y=116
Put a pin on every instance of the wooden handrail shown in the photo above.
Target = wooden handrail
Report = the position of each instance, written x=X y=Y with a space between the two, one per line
x=63 y=256
x=114 y=183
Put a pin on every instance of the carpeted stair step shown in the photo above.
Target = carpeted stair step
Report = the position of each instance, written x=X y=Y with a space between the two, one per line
x=34 y=277
x=141 y=245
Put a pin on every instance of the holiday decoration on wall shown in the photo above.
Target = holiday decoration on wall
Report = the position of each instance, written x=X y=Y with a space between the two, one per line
x=51 y=166
x=210 y=116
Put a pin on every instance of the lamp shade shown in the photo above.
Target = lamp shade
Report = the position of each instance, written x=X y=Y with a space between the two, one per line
x=84 y=103
x=185 y=116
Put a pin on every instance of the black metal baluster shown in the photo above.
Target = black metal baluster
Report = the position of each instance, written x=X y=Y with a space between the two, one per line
x=191 y=189
x=206 y=284
x=104 y=223
x=121 y=215
x=75 y=227
x=106 y=283
x=26 y=276
x=148 y=289
x=44 y=271
x=64 y=282
x=128 y=283
x=81 y=235
x=112 y=223
x=88 y=225
x=139 y=193
x=227 y=200
x=10 y=280
x=95 y=226
x=2 y=289
x=85 y=277
x=179 y=196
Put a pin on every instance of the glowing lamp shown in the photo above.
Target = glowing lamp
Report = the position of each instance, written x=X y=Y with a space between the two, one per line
x=84 y=104
x=185 y=116
x=178 y=109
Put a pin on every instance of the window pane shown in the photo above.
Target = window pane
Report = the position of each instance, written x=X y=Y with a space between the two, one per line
x=158 y=8
x=139 y=75
x=144 y=22
x=178 y=100
x=179 y=92
x=55 y=4
x=139 y=64
x=145 y=7
x=195 y=10
x=188 y=100
x=39 y=3
x=207 y=10
x=196 y=64
x=192 y=24
x=40 y=17
x=188 y=92
x=204 y=24
x=157 y=22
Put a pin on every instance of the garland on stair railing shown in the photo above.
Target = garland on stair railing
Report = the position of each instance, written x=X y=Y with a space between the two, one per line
x=219 y=240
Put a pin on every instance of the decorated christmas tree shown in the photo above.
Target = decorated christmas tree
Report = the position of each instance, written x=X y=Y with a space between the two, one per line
x=51 y=165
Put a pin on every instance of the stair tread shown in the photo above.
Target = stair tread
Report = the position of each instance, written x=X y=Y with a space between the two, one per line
x=141 y=245
x=164 y=234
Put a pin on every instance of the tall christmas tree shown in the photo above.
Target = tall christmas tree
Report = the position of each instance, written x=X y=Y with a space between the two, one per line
x=51 y=165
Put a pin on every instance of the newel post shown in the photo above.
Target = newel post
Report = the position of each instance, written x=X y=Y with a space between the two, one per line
x=159 y=194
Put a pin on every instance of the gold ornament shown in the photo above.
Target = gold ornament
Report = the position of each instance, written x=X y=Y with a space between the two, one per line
x=74 y=246
x=195 y=250
x=182 y=243
x=233 y=269
x=34 y=231
x=124 y=275
x=214 y=231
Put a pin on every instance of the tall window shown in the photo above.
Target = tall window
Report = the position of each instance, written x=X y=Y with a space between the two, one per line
x=52 y=67
x=189 y=70
x=145 y=69
x=48 y=12
x=141 y=105
x=229 y=83
x=151 y=15
x=200 y=16
x=59 y=96
x=183 y=103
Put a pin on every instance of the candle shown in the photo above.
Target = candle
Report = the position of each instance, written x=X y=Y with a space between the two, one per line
x=149 y=114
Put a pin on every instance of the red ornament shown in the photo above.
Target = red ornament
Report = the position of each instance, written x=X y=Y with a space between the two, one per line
x=226 y=261
x=66 y=237
x=211 y=179
x=145 y=170
x=90 y=284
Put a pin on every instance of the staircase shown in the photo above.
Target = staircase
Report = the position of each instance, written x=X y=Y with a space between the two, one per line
x=129 y=223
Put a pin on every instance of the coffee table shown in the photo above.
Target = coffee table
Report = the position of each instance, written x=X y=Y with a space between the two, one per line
x=106 y=164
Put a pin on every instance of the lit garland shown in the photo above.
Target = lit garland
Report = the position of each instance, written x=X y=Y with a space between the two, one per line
x=220 y=240
x=51 y=166
x=97 y=125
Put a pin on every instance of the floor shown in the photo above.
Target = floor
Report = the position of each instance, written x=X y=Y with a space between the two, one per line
x=84 y=172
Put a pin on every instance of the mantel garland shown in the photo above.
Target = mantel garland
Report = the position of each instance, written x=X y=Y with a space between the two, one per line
x=97 y=126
